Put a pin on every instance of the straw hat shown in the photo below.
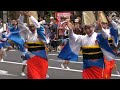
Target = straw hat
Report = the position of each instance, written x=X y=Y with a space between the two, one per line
x=35 y=15
x=88 y=18
x=102 y=18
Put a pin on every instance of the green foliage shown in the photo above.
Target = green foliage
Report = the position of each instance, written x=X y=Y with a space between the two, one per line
x=49 y=14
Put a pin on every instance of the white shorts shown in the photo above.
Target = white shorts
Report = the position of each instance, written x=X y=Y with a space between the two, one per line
x=24 y=62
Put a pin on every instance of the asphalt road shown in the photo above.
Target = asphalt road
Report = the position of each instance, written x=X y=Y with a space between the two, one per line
x=12 y=65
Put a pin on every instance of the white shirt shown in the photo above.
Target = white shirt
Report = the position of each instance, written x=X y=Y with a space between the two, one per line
x=30 y=37
x=85 y=40
x=76 y=41
x=42 y=22
x=106 y=33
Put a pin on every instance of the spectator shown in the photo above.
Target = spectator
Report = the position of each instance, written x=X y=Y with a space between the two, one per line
x=61 y=34
x=54 y=26
x=42 y=21
x=48 y=33
x=51 y=20
x=78 y=29
x=53 y=40
x=73 y=17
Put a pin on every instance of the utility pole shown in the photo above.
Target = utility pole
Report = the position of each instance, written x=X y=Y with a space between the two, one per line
x=4 y=16
x=4 y=20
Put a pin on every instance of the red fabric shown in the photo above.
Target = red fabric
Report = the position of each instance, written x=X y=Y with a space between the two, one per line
x=37 y=68
x=99 y=73
x=92 y=73
x=109 y=65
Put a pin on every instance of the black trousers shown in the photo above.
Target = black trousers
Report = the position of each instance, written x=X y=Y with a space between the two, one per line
x=54 y=44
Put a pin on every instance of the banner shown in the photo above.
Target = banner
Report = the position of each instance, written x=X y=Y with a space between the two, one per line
x=60 y=14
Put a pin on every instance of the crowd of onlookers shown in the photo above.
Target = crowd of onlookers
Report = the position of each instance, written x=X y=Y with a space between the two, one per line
x=58 y=35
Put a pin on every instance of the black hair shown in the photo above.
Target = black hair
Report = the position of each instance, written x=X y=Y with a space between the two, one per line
x=42 y=17
x=4 y=31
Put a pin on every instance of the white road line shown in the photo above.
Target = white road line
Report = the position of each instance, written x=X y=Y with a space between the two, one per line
x=117 y=59
x=9 y=74
x=13 y=50
x=78 y=56
x=53 y=54
x=58 y=60
x=77 y=70
x=115 y=75
x=65 y=69
x=49 y=59
x=63 y=60
x=57 y=54
x=57 y=68
x=12 y=62
x=3 y=72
